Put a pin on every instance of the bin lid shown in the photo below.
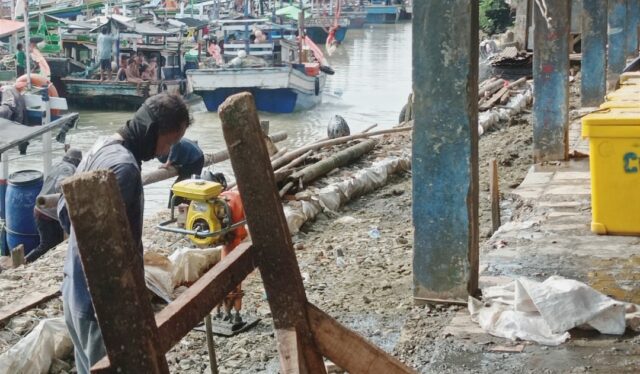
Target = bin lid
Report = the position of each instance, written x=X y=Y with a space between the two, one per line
x=25 y=177
x=629 y=75
x=620 y=104
x=624 y=95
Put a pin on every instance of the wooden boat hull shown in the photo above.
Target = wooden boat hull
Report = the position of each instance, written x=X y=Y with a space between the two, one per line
x=383 y=14
x=114 y=95
x=275 y=89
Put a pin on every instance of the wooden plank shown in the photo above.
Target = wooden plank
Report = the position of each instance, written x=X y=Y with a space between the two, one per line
x=114 y=273
x=494 y=188
x=17 y=256
x=270 y=234
x=32 y=300
x=347 y=349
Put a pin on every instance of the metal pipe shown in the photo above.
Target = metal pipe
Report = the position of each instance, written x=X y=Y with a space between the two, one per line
x=25 y=17
x=213 y=364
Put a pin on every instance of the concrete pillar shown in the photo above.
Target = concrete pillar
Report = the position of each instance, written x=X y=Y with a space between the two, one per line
x=616 y=40
x=551 y=79
x=445 y=149
x=594 y=52
x=631 y=27
x=520 y=25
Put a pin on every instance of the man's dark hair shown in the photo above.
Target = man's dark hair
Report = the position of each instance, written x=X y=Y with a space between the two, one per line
x=170 y=111
x=105 y=31
x=19 y=46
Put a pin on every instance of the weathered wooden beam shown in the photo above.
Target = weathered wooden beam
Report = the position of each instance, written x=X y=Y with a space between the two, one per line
x=616 y=41
x=17 y=256
x=494 y=188
x=593 y=85
x=631 y=28
x=551 y=80
x=270 y=234
x=114 y=273
x=31 y=300
x=347 y=349
x=445 y=149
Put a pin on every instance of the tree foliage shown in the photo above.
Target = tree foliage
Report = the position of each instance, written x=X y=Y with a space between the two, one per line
x=495 y=16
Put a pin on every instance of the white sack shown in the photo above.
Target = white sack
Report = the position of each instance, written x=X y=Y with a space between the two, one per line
x=35 y=352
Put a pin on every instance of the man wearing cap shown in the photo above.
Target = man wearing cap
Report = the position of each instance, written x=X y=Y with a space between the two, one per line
x=49 y=228
x=14 y=108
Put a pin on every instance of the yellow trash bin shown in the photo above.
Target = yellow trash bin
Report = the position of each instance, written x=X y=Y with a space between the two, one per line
x=614 y=148
x=632 y=93
x=624 y=77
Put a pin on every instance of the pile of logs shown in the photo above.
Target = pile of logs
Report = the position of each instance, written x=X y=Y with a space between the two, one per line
x=495 y=91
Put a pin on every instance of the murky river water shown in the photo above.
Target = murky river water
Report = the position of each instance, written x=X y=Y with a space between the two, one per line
x=372 y=82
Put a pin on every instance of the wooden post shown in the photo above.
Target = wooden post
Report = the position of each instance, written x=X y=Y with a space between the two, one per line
x=593 y=86
x=494 y=187
x=270 y=235
x=616 y=41
x=445 y=149
x=631 y=28
x=17 y=256
x=114 y=273
x=551 y=80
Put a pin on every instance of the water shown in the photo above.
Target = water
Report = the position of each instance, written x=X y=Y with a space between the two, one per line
x=371 y=84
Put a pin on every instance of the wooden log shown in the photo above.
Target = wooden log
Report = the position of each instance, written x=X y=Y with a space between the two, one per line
x=342 y=158
x=503 y=91
x=494 y=188
x=17 y=256
x=505 y=98
x=31 y=300
x=279 y=154
x=114 y=272
x=492 y=87
x=326 y=143
x=294 y=163
x=51 y=201
x=349 y=350
x=270 y=234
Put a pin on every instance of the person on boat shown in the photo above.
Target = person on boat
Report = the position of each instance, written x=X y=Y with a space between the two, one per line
x=49 y=228
x=150 y=71
x=133 y=70
x=105 y=50
x=21 y=60
x=121 y=75
x=187 y=157
x=14 y=108
x=159 y=123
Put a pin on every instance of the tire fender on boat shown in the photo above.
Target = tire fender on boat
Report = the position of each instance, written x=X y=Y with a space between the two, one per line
x=40 y=81
x=317 y=86
x=183 y=87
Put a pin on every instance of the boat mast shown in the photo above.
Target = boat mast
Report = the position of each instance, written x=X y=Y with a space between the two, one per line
x=25 y=17
x=300 y=31
x=246 y=26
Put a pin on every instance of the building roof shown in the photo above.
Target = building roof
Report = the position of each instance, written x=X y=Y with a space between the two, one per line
x=8 y=27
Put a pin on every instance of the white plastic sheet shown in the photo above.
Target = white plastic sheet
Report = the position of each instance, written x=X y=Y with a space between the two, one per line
x=544 y=311
x=35 y=352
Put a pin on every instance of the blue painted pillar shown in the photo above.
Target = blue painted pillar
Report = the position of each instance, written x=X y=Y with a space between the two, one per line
x=552 y=24
x=594 y=52
x=445 y=149
x=616 y=40
x=631 y=27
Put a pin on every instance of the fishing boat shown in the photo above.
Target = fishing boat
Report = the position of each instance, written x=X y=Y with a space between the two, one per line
x=283 y=73
x=59 y=8
x=326 y=23
x=165 y=45
x=383 y=11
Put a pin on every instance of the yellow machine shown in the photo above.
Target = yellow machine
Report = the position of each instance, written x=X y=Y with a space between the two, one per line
x=209 y=216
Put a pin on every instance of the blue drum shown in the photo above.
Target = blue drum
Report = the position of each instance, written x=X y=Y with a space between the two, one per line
x=22 y=190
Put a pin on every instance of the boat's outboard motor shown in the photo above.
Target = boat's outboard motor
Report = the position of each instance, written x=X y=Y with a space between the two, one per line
x=337 y=127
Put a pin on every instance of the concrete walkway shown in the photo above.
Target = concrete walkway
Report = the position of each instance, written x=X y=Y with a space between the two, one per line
x=550 y=235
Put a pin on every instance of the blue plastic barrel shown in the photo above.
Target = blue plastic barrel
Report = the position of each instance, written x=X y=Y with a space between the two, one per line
x=22 y=191
x=3 y=192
